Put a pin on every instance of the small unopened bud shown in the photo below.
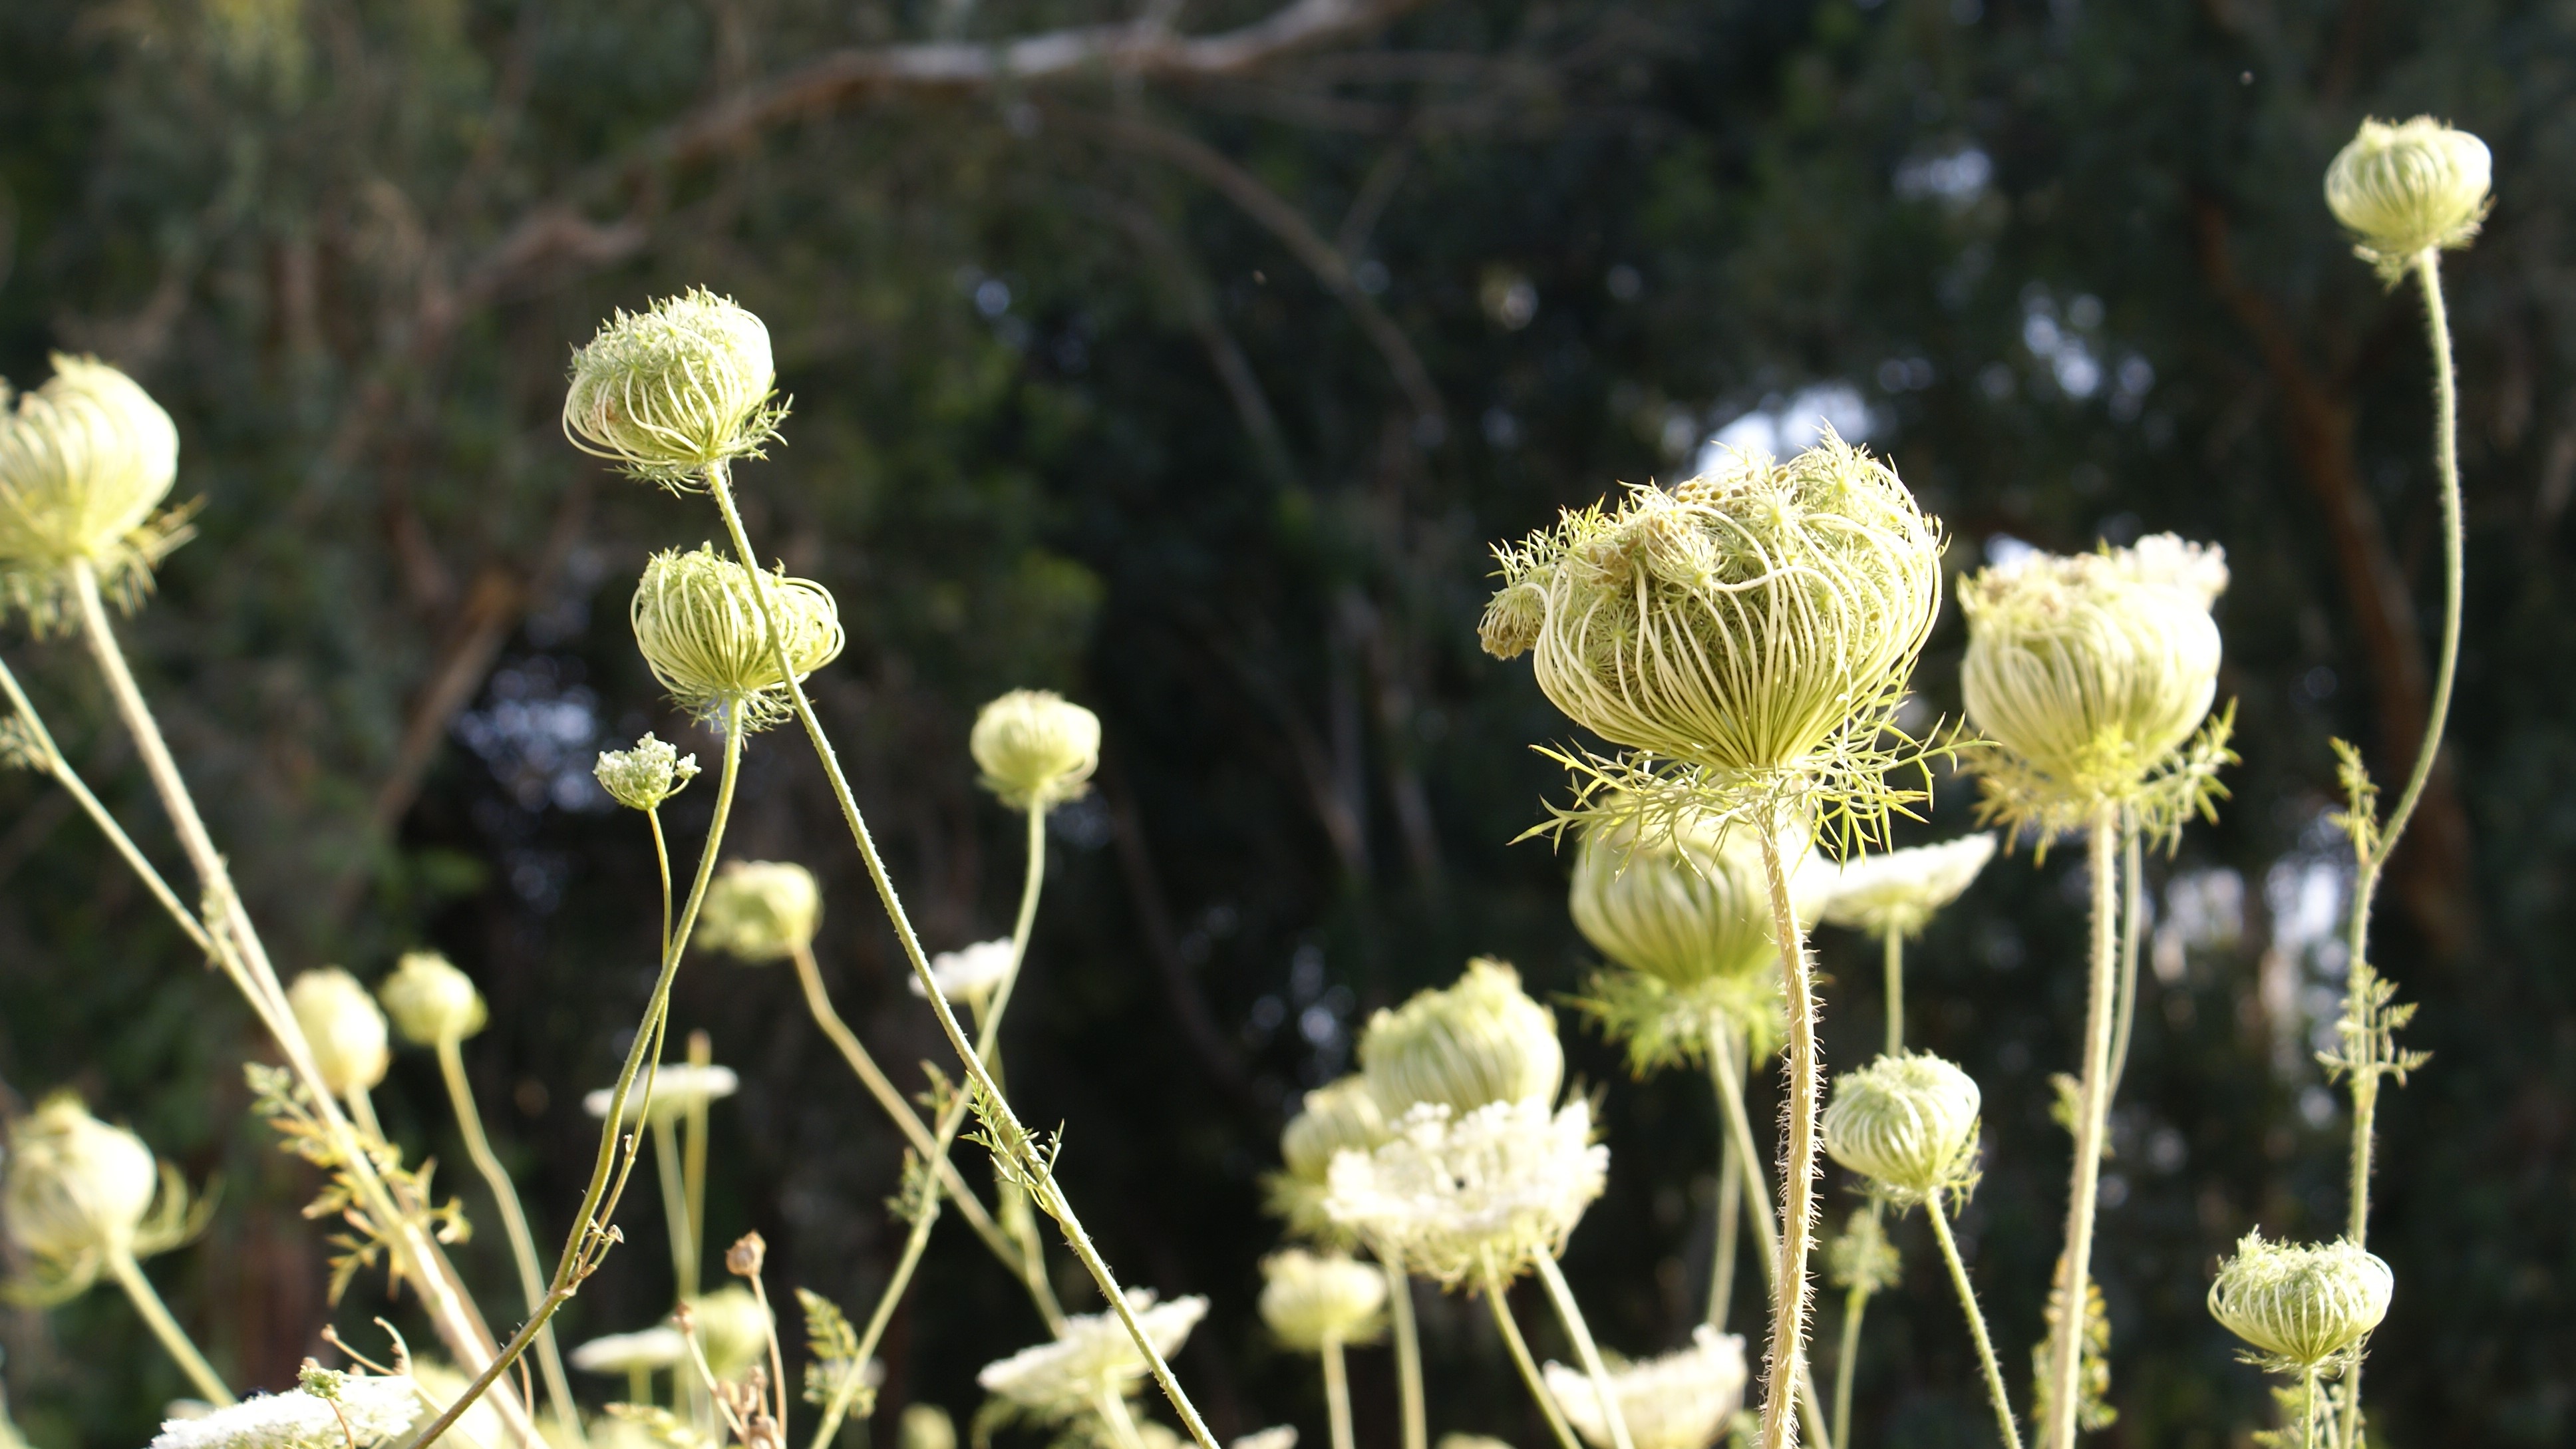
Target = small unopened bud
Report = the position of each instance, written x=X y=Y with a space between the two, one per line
x=1311 y=1299
x=431 y=1001
x=343 y=1027
x=760 y=910
x=1478 y=1041
x=1036 y=748
x=731 y=1328
x=744 y=1258
x=925 y=1426
x=698 y=620
x=84 y=460
x=75 y=1188
x=2303 y=1305
x=1907 y=1123
x=645 y=776
x=675 y=389
x=2408 y=188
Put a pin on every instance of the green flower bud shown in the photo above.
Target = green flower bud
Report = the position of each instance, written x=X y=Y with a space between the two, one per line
x=1907 y=1123
x=760 y=910
x=698 y=621
x=1737 y=622
x=645 y=776
x=2301 y=1305
x=343 y=1027
x=1899 y=890
x=84 y=461
x=1036 y=748
x=732 y=1329
x=431 y=1001
x=75 y=1189
x=925 y=1426
x=2094 y=669
x=1691 y=909
x=2408 y=188
x=1478 y=1041
x=671 y=391
x=1311 y=1299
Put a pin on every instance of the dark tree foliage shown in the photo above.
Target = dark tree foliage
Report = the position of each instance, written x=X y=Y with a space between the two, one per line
x=1197 y=391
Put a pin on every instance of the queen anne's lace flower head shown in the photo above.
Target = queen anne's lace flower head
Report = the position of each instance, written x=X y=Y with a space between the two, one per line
x=1092 y=1357
x=676 y=388
x=1907 y=1123
x=677 y=1087
x=760 y=910
x=1898 y=891
x=1461 y=1196
x=645 y=776
x=1679 y=1400
x=658 y=1347
x=84 y=461
x=75 y=1190
x=1479 y=1040
x=344 y=1027
x=2302 y=1305
x=1338 y=1116
x=697 y=619
x=969 y=975
x=1688 y=908
x=431 y=1001
x=2404 y=188
x=1310 y=1299
x=1036 y=748
x=369 y=1410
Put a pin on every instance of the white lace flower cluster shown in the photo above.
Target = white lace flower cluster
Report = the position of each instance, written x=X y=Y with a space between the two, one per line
x=1898 y=891
x=968 y=975
x=1467 y=1195
x=1679 y=1400
x=369 y=1410
x=1092 y=1357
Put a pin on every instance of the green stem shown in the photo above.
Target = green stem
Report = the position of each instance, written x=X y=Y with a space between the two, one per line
x=639 y=1384
x=693 y=1160
x=514 y=1224
x=2133 y=925
x=1846 y=1363
x=1008 y=1128
x=1122 y=1425
x=1337 y=1394
x=2308 y=1413
x=2092 y=1114
x=1408 y=1348
x=1798 y=1156
x=913 y=1244
x=156 y=1316
x=1512 y=1339
x=2004 y=1421
x=1895 y=968
x=1569 y=1313
x=675 y=1202
x=1722 y=1248
x=1739 y=1137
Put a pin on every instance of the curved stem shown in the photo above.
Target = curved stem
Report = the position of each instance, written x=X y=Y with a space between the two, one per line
x=244 y=958
x=1512 y=1339
x=1337 y=1394
x=675 y=1203
x=156 y=1316
x=1408 y=1348
x=1798 y=1157
x=1729 y=1209
x=1008 y=1129
x=693 y=1161
x=1122 y=1425
x=1895 y=970
x=2133 y=924
x=1571 y=1315
x=1976 y=1323
x=1846 y=1363
x=514 y=1224
x=1739 y=1137
x=2092 y=1113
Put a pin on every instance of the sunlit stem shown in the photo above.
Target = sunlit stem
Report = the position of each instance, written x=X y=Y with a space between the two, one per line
x=1569 y=1313
x=2004 y=1421
x=1729 y=1077
x=514 y=1225
x=1729 y=1209
x=1337 y=1393
x=1122 y=1425
x=1847 y=1362
x=156 y=1316
x=675 y=1200
x=1528 y=1366
x=1408 y=1347
x=693 y=1158
x=1894 y=948
x=639 y=1384
x=244 y=958
x=1050 y=1196
x=1805 y=1077
x=2133 y=924
x=2092 y=1113
x=913 y=1244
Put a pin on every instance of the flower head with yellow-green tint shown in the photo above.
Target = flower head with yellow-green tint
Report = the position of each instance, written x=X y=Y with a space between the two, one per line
x=344 y=1027
x=731 y=1327
x=431 y=1001
x=645 y=776
x=1755 y=625
x=2303 y=1307
x=1036 y=748
x=1478 y=1040
x=1340 y=1116
x=84 y=462
x=673 y=390
x=1689 y=907
x=1898 y=891
x=1311 y=1299
x=75 y=1191
x=697 y=617
x=1092 y=1357
x=760 y=910
x=1678 y=1400
x=2408 y=187
x=1908 y=1123
x=1460 y=1195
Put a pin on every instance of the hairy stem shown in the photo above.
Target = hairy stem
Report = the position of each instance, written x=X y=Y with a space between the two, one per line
x=1798 y=1161
x=2004 y=1421
x=1337 y=1394
x=1739 y=1137
x=1050 y=1197
x=156 y=1316
x=1408 y=1348
x=2093 y=1107
x=1512 y=1339
x=514 y=1225
x=1571 y=1315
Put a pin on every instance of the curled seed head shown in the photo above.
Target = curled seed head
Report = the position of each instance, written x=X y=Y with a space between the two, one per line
x=1036 y=748
x=1907 y=1123
x=84 y=461
x=344 y=1028
x=431 y=1001
x=75 y=1188
x=673 y=389
x=760 y=910
x=2302 y=1304
x=1689 y=909
x=697 y=617
x=2404 y=188
x=1480 y=1040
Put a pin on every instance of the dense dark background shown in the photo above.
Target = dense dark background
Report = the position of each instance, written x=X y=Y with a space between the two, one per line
x=1197 y=390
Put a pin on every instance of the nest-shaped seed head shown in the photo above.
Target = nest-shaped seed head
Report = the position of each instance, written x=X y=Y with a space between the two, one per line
x=2095 y=668
x=1036 y=748
x=2302 y=1306
x=674 y=389
x=75 y=1187
x=84 y=462
x=2407 y=187
x=431 y=1001
x=760 y=910
x=1690 y=907
x=1479 y=1040
x=343 y=1026
x=1311 y=1299
x=697 y=618
x=1907 y=1123
x=1738 y=622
